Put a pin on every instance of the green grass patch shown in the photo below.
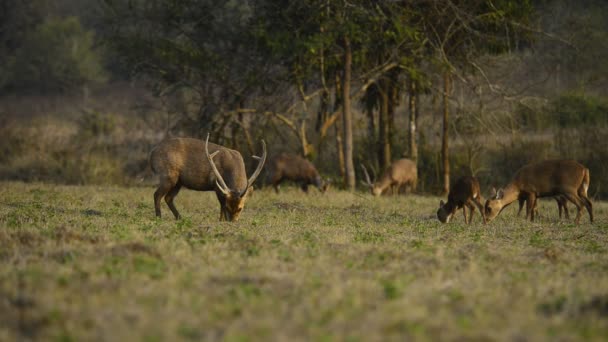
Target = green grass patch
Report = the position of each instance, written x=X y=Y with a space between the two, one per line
x=94 y=263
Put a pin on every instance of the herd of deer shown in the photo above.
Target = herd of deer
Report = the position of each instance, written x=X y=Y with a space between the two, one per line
x=204 y=166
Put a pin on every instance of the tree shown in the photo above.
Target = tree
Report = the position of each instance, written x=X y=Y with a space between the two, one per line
x=413 y=118
x=347 y=118
x=444 y=136
x=198 y=55
x=310 y=31
x=458 y=31
x=57 y=55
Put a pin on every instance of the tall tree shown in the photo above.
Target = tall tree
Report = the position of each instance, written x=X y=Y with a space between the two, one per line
x=384 y=143
x=347 y=118
x=445 y=158
x=413 y=111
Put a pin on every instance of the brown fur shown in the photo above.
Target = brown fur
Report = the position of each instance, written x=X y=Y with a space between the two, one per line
x=465 y=192
x=400 y=175
x=182 y=162
x=286 y=166
x=549 y=178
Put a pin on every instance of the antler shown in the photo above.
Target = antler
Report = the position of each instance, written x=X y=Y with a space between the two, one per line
x=367 y=181
x=257 y=171
x=221 y=184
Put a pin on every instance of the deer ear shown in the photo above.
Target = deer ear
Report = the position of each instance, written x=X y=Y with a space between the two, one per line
x=441 y=203
x=500 y=194
x=493 y=192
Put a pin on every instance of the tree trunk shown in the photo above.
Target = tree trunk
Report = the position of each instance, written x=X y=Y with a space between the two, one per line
x=324 y=105
x=413 y=146
x=393 y=101
x=371 y=130
x=234 y=144
x=384 y=143
x=347 y=118
x=323 y=110
x=444 y=141
x=338 y=131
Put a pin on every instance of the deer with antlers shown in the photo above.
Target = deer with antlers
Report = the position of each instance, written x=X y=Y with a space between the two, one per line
x=401 y=174
x=188 y=163
x=550 y=178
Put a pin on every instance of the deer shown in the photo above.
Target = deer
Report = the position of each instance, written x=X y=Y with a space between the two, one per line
x=464 y=193
x=186 y=162
x=562 y=205
x=286 y=166
x=549 y=178
x=401 y=173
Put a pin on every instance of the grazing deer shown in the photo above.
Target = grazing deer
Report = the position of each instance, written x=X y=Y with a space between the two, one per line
x=562 y=205
x=401 y=174
x=465 y=192
x=186 y=162
x=544 y=179
x=292 y=167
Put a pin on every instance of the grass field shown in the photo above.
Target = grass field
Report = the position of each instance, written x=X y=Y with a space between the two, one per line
x=93 y=263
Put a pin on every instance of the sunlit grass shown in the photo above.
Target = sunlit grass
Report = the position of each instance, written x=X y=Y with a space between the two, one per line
x=88 y=263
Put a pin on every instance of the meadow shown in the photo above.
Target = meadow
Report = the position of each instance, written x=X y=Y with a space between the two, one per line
x=84 y=263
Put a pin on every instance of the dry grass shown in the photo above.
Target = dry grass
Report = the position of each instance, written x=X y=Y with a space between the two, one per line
x=92 y=263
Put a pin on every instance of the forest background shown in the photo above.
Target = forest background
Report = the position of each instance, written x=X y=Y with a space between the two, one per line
x=88 y=87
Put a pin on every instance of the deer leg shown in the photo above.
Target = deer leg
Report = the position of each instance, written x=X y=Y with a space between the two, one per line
x=464 y=212
x=564 y=203
x=559 y=206
x=477 y=202
x=582 y=193
x=577 y=202
x=166 y=184
x=521 y=206
x=305 y=188
x=588 y=205
x=536 y=207
x=471 y=211
x=276 y=184
x=169 y=199
x=530 y=206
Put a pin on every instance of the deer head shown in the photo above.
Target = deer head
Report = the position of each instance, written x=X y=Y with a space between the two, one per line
x=444 y=214
x=375 y=190
x=233 y=200
x=494 y=204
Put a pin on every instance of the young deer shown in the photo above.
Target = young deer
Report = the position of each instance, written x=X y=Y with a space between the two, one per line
x=464 y=193
x=549 y=178
x=186 y=162
x=401 y=174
